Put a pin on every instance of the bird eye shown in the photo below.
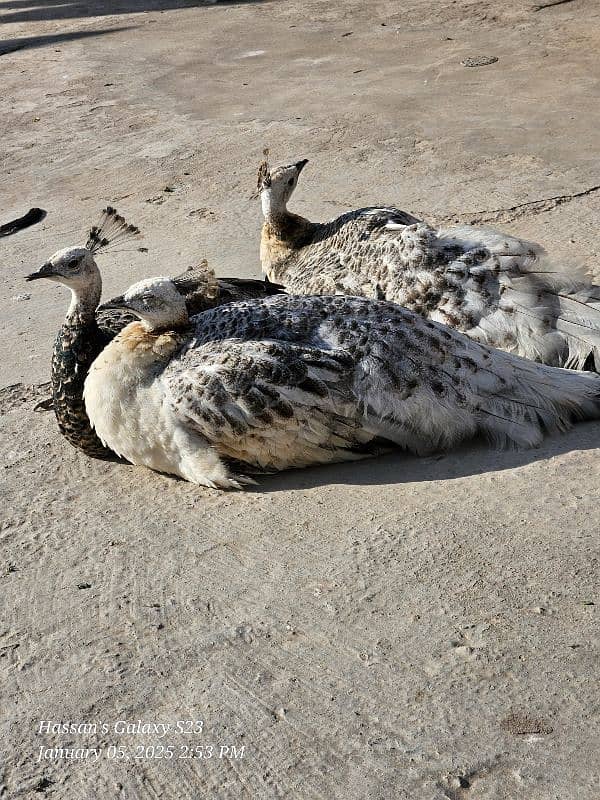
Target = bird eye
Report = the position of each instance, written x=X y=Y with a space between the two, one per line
x=291 y=182
x=72 y=263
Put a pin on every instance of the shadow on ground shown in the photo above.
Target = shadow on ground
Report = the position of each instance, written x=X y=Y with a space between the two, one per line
x=13 y=45
x=45 y=10
x=471 y=459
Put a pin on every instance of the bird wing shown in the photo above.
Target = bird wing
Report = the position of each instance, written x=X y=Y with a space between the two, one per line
x=370 y=252
x=296 y=380
x=231 y=290
x=499 y=290
x=387 y=254
x=111 y=321
x=271 y=404
x=202 y=289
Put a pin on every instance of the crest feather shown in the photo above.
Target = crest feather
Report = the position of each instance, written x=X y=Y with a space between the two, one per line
x=112 y=229
x=263 y=180
x=198 y=280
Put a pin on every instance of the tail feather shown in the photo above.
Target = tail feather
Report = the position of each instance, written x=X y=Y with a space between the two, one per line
x=511 y=400
x=557 y=327
x=554 y=321
x=519 y=301
x=537 y=399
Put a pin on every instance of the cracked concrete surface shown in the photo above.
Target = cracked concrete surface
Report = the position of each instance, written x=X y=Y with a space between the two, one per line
x=530 y=208
x=403 y=628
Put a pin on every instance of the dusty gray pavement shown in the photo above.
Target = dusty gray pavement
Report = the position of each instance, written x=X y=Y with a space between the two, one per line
x=402 y=628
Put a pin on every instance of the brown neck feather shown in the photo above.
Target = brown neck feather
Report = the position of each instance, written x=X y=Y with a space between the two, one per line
x=290 y=229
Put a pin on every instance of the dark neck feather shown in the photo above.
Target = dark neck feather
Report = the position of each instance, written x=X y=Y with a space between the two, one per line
x=78 y=343
x=291 y=229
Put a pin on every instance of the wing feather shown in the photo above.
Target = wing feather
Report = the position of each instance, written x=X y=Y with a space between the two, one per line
x=271 y=404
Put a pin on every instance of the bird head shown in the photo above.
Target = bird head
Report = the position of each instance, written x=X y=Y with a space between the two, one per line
x=74 y=267
x=155 y=301
x=276 y=186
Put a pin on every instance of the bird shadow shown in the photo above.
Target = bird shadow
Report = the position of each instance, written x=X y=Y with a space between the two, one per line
x=474 y=458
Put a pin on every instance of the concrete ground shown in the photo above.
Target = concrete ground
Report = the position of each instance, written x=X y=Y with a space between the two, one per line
x=401 y=628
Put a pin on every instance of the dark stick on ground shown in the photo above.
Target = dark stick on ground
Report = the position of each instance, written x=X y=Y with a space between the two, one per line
x=32 y=217
x=550 y=4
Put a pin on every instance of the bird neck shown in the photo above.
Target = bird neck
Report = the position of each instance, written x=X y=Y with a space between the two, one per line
x=288 y=227
x=283 y=235
x=84 y=302
x=272 y=206
x=78 y=343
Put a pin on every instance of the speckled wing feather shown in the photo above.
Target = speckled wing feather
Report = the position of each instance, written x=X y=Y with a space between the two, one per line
x=342 y=256
x=270 y=404
x=289 y=381
x=75 y=348
x=497 y=289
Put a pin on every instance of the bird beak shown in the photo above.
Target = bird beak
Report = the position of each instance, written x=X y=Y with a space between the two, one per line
x=301 y=164
x=45 y=271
